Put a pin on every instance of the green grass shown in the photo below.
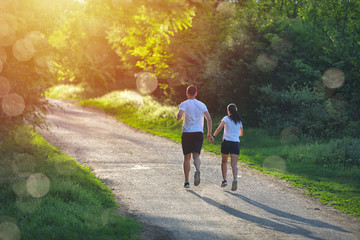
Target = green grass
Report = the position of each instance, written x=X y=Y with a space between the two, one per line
x=67 y=92
x=67 y=202
x=294 y=161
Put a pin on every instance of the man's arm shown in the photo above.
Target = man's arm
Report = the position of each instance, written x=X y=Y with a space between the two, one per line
x=209 y=126
x=179 y=115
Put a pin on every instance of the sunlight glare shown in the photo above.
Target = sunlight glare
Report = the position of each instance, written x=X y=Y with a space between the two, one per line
x=13 y=105
x=80 y=1
x=97 y=52
x=121 y=3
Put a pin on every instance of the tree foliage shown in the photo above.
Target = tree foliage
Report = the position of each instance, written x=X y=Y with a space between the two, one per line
x=282 y=62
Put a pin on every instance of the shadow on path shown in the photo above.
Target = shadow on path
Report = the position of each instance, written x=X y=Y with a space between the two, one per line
x=292 y=217
x=287 y=226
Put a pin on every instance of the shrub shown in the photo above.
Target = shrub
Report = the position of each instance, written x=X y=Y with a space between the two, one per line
x=343 y=153
x=299 y=107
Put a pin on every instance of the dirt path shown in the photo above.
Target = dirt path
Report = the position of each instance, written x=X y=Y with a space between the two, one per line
x=145 y=174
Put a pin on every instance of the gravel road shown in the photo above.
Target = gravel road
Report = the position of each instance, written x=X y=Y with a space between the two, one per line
x=146 y=176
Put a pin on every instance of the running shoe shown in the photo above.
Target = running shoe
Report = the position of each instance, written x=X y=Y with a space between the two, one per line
x=234 y=185
x=186 y=184
x=197 y=177
x=224 y=183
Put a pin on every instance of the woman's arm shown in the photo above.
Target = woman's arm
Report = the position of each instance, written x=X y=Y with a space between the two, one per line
x=221 y=125
x=241 y=132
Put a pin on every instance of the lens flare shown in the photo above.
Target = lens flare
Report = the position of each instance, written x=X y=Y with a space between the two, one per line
x=42 y=61
x=333 y=78
x=63 y=167
x=37 y=39
x=3 y=55
x=19 y=187
x=280 y=45
x=4 y=86
x=23 y=50
x=9 y=231
x=38 y=185
x=23 y=163
x=13 y=105
x=4 y=28
x=28 y=204
x=289 y=135
x=275 y=163
x=7 y=33
x=266 y=63
x=321 y=90
x=226 y=9
x=146 y=82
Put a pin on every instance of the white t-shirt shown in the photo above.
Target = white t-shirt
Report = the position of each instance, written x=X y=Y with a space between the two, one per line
x=231 y=129
x=194 y=115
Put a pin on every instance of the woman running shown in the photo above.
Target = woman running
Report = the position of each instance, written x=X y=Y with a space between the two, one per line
x=233 y=129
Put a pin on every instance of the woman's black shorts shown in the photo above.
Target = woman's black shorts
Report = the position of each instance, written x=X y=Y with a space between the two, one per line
x=229 y=147
x=192 y=142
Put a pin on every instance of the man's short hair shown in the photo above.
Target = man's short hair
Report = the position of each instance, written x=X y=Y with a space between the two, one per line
x=191 y=90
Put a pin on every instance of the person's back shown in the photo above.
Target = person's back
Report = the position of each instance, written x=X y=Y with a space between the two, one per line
x=194 y=115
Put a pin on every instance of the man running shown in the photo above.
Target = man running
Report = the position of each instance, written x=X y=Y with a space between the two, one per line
x=192 y=138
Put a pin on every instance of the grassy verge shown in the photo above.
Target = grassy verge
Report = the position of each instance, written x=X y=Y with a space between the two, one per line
x=44 y=194
x=301 y=164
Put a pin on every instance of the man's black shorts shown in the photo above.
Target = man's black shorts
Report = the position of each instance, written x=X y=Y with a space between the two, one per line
x=192 y=142
x=229 y=147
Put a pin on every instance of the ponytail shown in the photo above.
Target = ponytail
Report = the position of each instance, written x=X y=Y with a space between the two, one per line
x=234 y=116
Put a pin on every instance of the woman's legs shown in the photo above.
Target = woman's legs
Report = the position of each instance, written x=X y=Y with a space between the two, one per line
x=234 y=161
x=224 y=158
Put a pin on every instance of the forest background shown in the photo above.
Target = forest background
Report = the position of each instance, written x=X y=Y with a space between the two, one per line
x=286 y=64
x=291 y=67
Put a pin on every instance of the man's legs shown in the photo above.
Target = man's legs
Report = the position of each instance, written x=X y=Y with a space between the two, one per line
x=197 y=162
x=186 y=165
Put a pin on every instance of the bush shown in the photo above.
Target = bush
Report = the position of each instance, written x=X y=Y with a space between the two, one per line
x=299 y=107
x=338 y=153
x=343 y=153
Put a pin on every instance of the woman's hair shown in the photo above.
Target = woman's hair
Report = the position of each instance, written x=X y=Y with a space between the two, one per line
x=234 y=116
